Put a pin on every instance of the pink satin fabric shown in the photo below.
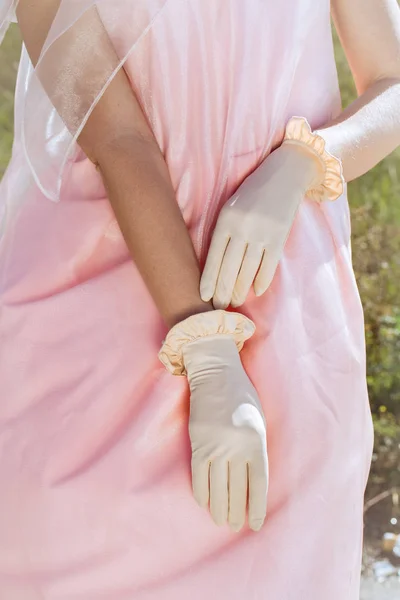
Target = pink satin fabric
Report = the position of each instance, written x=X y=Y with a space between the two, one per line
x=95 y=499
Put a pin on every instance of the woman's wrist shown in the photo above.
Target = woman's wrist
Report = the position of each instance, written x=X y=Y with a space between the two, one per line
x=322 y=171
x=302 y=164
x=196 y=328
x=218 y=350
x=178 y=315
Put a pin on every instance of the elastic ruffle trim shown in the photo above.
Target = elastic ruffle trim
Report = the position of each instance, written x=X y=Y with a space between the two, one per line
x=298 y=131
x=215 y=322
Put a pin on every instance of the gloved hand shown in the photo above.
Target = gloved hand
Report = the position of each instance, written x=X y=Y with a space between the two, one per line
x=227 y=426
x=228 y=434
x=254 y=225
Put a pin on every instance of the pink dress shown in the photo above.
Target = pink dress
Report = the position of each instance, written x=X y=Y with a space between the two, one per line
x=95 y=500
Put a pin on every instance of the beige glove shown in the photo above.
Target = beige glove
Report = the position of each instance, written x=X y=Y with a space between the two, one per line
x=227 y=427
x=254 y=225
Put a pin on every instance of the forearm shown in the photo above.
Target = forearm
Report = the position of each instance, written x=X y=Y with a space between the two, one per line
x=118 y=138
x=368 y=130
x=142 y=197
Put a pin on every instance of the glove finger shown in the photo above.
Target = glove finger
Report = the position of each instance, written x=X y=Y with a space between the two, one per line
x=258 y=488
x=248 y=271
x=213 y=264
x=219 y=491
x=267 y=270
x=228 y=274
x=201 y=481
x=237 y=495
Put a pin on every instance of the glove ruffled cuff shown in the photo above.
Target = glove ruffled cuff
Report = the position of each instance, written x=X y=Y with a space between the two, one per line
x=215 y=322
x=298 y=131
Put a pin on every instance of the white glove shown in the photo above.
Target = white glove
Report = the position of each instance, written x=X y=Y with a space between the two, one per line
x=254 y=225
x=227 y=427
x=228 y=434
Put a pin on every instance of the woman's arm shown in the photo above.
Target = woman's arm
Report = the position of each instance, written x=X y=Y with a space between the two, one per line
x=369 y=129
x=254 y=224
x=118 y=138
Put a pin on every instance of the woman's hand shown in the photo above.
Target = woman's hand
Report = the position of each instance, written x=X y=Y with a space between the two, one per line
x=227 y=432
x=253 y=226
x=227 y=426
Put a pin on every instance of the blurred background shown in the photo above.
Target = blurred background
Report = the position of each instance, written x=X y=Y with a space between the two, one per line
x=375 y=207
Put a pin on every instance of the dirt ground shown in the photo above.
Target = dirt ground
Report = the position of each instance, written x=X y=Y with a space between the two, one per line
x=373 y=590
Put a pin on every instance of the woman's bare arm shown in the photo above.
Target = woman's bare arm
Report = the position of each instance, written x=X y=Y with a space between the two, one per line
x=369 y=129
x=118 y=138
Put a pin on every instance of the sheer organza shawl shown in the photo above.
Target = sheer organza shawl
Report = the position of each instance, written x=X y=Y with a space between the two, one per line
x=87 y=44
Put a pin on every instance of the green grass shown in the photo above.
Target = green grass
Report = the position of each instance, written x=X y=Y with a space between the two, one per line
x=9 y=56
